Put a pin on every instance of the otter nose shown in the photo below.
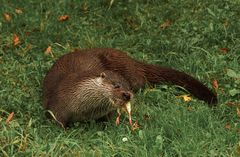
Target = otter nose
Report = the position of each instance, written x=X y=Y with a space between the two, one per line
x=127 y=96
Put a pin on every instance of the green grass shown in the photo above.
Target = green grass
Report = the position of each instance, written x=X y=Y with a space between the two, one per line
x=168 y=127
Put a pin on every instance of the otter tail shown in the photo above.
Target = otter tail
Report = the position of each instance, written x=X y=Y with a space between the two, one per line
x=157 y=75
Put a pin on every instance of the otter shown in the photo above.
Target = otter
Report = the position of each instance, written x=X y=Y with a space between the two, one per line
x=91 y=84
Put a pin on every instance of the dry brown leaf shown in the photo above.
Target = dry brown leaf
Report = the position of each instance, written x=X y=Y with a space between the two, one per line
x=230 y=104
x=48 y=51
x=215 y=84
x=226 y=23
x=238 y=112
x=135 y=126
x=63 y=18
x=16 y=39
x=18 y=11
x=9 y=118
x=233 y=104
x=166 y=24
x=223 y=50
x=238 y=149
x=146 y=117
x=228 y=126
x=7 y=17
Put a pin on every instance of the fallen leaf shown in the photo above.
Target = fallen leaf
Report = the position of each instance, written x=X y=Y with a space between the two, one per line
x=238 y=149
x=223 y=50
x=18 y=11
x=238 y=112
x=9 y=118
x=185 y=97
x=16 y=40
x=230 y=104
x=233 y=104
x=63 y=18
x=189 y=108
x=7 y=17
x=215 y=84
x=48 y=51
x=166 y=24
x=135 y=126
x=146 y=117
x=228 y=126
x=226 y=23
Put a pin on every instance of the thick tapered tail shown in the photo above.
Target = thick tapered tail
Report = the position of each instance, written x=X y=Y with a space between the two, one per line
x=158 y=75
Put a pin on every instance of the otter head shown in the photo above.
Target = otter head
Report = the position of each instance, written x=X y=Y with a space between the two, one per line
x=115 y=88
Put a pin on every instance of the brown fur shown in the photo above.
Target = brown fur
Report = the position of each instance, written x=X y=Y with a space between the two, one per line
x=62 y=84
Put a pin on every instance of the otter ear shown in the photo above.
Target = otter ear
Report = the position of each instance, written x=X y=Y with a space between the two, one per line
x=102 y=75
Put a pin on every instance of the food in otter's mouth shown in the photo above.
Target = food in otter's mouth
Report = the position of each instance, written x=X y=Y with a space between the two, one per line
x=126 y=108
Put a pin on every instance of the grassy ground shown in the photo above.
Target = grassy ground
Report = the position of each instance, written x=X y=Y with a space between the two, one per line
x=201 y=38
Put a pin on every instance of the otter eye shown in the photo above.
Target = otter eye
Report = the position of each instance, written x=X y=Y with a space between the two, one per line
x=116 y=85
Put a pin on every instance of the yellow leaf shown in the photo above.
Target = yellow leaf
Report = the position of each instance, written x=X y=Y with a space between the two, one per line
x=18 y=11
x=185 y=97
x=9 y=118
x=7 y=17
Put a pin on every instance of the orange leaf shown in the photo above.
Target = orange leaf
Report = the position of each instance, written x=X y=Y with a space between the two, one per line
x=228 y=126
x=16 y=40
x=63 y=18
x=48 y=51
x=18 y=11
x=9 y=117
x=166 y=24
x=215 y=84
x=7 y=17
